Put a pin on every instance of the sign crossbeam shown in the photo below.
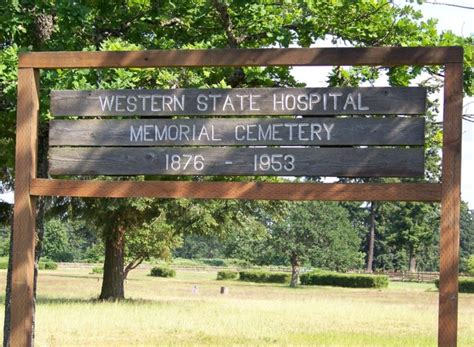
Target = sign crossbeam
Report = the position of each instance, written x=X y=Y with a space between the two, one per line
x=239 y=101
x=308 y=131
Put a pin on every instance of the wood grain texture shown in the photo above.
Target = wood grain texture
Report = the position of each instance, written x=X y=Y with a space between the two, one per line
x=428 y=192
x=386 y=56
x=25 y=209
x=239 y=101
x=346 y=162
x=229 y=132
x=450 y=206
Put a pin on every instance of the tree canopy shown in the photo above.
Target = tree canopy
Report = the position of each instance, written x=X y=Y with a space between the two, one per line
x=98 y=25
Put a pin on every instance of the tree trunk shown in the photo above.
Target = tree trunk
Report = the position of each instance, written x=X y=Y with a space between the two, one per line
x=295 y=270
x=370 y=254
x=412 y=261
x=113 y=280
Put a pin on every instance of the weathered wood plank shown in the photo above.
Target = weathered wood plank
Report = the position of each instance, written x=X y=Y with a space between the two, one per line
x=387 y=56
x=225 y=132
x=349 y=162
x=25 y=209
x=450 y=206
x=239 y=101
x=428 y=192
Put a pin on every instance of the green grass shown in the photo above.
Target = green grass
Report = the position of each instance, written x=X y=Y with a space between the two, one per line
x=164 y=311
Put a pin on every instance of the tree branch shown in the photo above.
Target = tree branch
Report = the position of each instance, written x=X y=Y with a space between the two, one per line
x=447 y=4
x=132 y=265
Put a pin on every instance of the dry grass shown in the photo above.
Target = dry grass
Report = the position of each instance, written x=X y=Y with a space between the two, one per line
x=166 y=312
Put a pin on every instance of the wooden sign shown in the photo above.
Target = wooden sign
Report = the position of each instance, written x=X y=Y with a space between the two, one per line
x=348 y=162
x=239 y=102
x=224 y=132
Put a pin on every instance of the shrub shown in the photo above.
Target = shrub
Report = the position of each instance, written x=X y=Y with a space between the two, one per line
x=47 y=265
x=42 y=265
x=466 y=284
x=214 y=262
x=162 y=271
x=261 y=276
x=227 y=275
x=97 y=270
x=326 y=278
x=50 y=265
x=470 y=265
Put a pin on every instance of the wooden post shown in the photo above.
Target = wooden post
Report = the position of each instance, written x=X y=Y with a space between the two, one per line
x=450 y=206
x=25 y=209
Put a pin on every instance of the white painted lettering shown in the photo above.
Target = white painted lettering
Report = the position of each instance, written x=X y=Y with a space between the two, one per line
x=264 y=134
x=119 y=100
x=202 y=102
x=277 y=102
x=302 y=102
x=147 y=132
x=328 y=129
x=228 y=102
x=167 y=102
x=236 y=130
x=183 y=132
x=350 y=101
x=242 y=97
x=154 y=103
x=314 y=99
x=253 y=103
x=136 y=135
x=214 y=98
x=288 y=102
x=178 y=103
x=359 y=103
x=171 y=136
x=301 y=131
x=315 y=130
x=202 y=133
x=144 y=98
x=290 y=127
x=131 y=103
x=251 y=132
x=106 y=102
x=161 y=136
x=213 y=134
x=276 y=131
x=335 y=100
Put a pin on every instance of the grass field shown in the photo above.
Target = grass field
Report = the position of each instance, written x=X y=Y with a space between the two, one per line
x=166 y=312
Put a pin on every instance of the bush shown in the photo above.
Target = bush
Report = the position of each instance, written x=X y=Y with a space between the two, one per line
x=213 y=262
x=47 y=265
x=227 y=275
x=42 y=265
x=97 y=270
x=326 y=278
x=161 y=271
x=260 y=276
x=50 y=265
x=470 y=265
x=466 y=284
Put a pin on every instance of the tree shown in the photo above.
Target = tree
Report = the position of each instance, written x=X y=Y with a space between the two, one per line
x=413 y=226
x=56 y=244
x=131 y=24
x=318 y=233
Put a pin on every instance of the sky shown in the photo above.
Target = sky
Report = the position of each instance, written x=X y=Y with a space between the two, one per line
x=461 y=22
